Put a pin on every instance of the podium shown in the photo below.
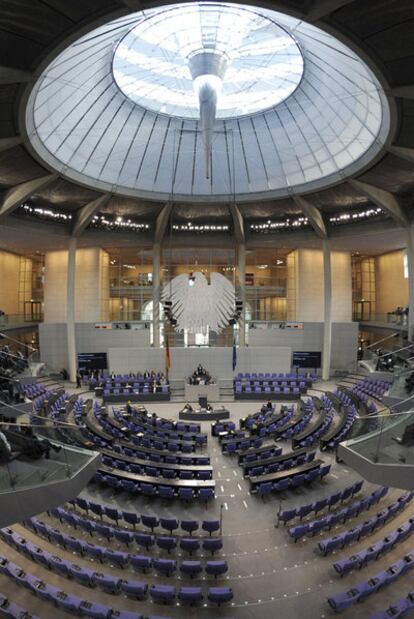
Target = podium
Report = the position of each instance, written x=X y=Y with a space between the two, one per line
x=193 y=392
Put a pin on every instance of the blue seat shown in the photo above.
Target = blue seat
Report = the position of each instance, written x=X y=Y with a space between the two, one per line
x=169 y=524
x=125 y=537
x=150 y=521
x=190 y=545
x=144 y=539
x=216 y=568
x=186 y=494
x=166 y=543
x=165 y=566
x=108 y=583
x=165 y=492
x=140 y=562
x=191 y=568
x=189 y=526
x=162 y=593
x=190 y=594
x=131 y=518
x=212 y=544
x=219 y=595
x=210 y=526
x=134 y=589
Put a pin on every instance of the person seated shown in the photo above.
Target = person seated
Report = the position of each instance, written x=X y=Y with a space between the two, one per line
x=187 y=407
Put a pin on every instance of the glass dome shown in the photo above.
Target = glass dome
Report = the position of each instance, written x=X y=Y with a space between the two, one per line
x=171 y=101
x=263 y=62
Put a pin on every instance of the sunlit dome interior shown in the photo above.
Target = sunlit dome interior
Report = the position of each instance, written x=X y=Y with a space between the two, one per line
x=207 y=101
x=151 y=63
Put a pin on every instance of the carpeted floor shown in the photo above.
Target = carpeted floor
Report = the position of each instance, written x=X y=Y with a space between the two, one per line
x=270 y=575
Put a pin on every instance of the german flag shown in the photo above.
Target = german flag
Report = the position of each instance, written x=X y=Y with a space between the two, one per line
x=167 y=355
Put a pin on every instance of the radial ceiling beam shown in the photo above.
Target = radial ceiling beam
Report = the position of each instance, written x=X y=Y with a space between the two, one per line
x=19 y=193
x=6 y=143
x=86 y=213
x=384 y=199
x=162 y=223
x=8 y=75
x=313 y=214
x=132 y=5
x=405 y=92
x=238 y=223
x=322 y=8
x=403 y=153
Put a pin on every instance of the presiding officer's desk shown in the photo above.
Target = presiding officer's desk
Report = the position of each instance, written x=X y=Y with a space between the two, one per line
x=159 y=481
x=203 y=414
x=279 y=475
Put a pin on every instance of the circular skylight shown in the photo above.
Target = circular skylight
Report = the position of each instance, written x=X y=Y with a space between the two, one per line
x=262 y=62
x=207 y=102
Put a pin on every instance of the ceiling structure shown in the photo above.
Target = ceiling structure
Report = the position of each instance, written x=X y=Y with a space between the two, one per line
x=34 y=32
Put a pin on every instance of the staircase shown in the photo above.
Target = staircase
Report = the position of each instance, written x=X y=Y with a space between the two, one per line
x=226 y=390
x=49 y=382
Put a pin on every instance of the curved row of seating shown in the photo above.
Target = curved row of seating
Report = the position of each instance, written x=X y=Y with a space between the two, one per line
x=373 y=387
x=281 y=375
x=74 y=604
x=222 y=426
x=144 y=423
x=342 y=431
x=372 y=553
x=288 y=463
x=361 y=591
x=11 y=610
x=374 y=523
x=126 y=536
x=107 y=582
x=396 y=610
x=120 y=557
x=262 y=453
x=329 y=501
x=340 y=517
x=154 y=455
x=155 y=487
x=297 y=479
x=152 y=470
x=141 y=416
x=151 y=522
x=298 y=425
x=309 y=438
x=241 y=444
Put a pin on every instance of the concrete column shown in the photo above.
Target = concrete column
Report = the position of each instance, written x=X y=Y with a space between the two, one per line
x=327 y=328
x=156 y=267
x=410 y=261
x=70 y=309
x=241 y=257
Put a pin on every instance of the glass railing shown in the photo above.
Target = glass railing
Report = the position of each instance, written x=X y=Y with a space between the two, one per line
x=390 y=318
x=50 y=460
x=390 y=438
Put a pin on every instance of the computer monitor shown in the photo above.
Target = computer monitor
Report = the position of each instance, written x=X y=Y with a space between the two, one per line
x=202 y=400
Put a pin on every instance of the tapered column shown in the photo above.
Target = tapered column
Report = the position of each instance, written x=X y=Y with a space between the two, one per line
x=327 y=329
x=241 y=257
x=156 y=266
x=410 y=262
x=70 y=309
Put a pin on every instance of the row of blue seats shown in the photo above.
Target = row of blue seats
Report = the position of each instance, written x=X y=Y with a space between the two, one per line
x=340 y=517
x=222 y=426
x=169 y=458
x=343 y=431
x=260 y=454
x=11 y=610
x=329 y=501
x=396 y=610
x=361 y=558
x=152 y=431
x=148 y=489
x=153 y=471
x=289 y=463
x=74 y=604
x=273 y=428
x=230 y=447
x=361 y=591
x=366 y=528
x=120 y=557
x=107 y=582
x=311 y=438
x=295 y=481
x=121 y=535
x=151 y=420
x=296 y=427
x=151 y=522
